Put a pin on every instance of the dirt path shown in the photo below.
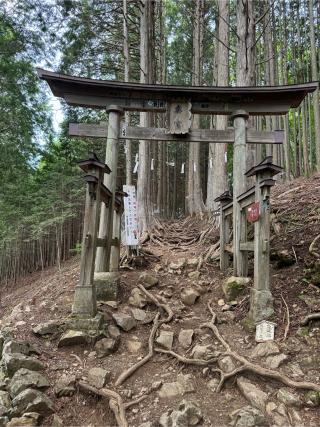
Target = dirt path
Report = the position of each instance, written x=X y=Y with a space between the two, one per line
x=49 y=296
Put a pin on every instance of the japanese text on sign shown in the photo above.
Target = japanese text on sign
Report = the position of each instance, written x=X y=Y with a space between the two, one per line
x=130 y=216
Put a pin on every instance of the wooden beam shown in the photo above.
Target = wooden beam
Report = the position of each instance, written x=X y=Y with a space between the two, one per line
x=161 y=134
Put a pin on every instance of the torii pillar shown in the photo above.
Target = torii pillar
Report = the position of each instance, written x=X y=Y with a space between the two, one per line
x=240 y=118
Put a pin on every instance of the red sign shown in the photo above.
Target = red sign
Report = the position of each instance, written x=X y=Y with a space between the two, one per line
x=253 y=212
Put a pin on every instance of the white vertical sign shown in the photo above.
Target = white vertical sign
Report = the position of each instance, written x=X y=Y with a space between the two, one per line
x=182 y=168
x=130 y=216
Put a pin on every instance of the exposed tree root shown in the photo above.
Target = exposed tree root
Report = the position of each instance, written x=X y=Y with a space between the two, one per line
x=309 y=317
x=126 y=374
x=248 y=366
x=312 y=249
x=162 y=306
x=115 y=402
x=156 y=323
x=199 y=362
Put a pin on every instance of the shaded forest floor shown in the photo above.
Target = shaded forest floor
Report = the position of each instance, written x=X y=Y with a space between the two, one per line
x=295 y=285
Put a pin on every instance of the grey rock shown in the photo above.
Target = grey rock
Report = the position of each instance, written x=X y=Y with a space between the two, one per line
x=194 y=275
x=4 y=421
x=171 y=390
x=189 y=296
x=187 y=414
x=57 y=421
x=178 y=265
x=30 y=400
x=255 y=396
x=192 y=262
x=98 y=377
x=22 y=347
x=185 y=338
x=113 y=331
x=148 y=280
x=226 y=364
x=107 y=285
x=5 y=401
x=106 y=346
x=134 y=345
x=15 y=361
x=273 y=362
x=248 y=417
x=288 y=398
x=47 y=328
x=234 y=286
x=28 y=419
x=312 y=398
x=124 y=321
x=139 y=314
x=65 y=386
x=24 y=378
x=165 y=339
x=213 y=384
x=264 y=349
x=225 y=317
x=73 y=337
x=186 y=380
x=205 y=352
x=138 y=298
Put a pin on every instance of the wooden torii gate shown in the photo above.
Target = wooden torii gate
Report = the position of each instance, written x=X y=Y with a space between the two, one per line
x=179 y=102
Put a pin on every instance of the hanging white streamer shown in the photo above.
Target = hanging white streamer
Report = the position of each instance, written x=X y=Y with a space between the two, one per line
x=225 y=157
x=182 y=168
x=135 y=169
x=210 y=163
x=194 y=167
x=152 y=164
x=137 y=157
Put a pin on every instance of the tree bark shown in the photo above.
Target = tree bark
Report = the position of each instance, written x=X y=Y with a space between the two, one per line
x=217 y=170
x=315 y=98
x=194 y=198
x=245 y=55
x=144 y=201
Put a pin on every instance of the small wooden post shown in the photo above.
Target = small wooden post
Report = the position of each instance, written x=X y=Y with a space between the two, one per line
x=239 y=186
x=224 y=199
x=261 y=304
x=85 y=303
x=107 y=214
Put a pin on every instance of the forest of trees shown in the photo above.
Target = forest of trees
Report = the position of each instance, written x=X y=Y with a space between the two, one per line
x=186 y=42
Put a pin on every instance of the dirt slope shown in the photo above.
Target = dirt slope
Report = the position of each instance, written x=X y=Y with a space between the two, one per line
x=47 y=296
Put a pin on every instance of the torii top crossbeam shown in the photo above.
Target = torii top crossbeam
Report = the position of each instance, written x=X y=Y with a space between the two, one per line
x=255 y=100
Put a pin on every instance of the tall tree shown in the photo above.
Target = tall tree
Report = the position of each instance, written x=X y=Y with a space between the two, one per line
x=217 y=168
x=194 y=197
x=146 y=76
x=315 y=77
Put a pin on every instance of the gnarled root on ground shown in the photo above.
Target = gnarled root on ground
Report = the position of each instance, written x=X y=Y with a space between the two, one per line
x=115 y=401
x=156 y=323
x=248 y=366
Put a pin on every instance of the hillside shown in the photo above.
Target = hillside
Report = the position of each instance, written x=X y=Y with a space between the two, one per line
x=164 y=380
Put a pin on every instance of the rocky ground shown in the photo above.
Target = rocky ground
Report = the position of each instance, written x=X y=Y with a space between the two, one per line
x=45 y=381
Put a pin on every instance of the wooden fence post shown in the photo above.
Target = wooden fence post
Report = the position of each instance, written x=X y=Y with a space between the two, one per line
x=115 y=248
x=107 y=214
x=224 y=199
x=239 y=186
x=261 y=302
x=85 y=302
